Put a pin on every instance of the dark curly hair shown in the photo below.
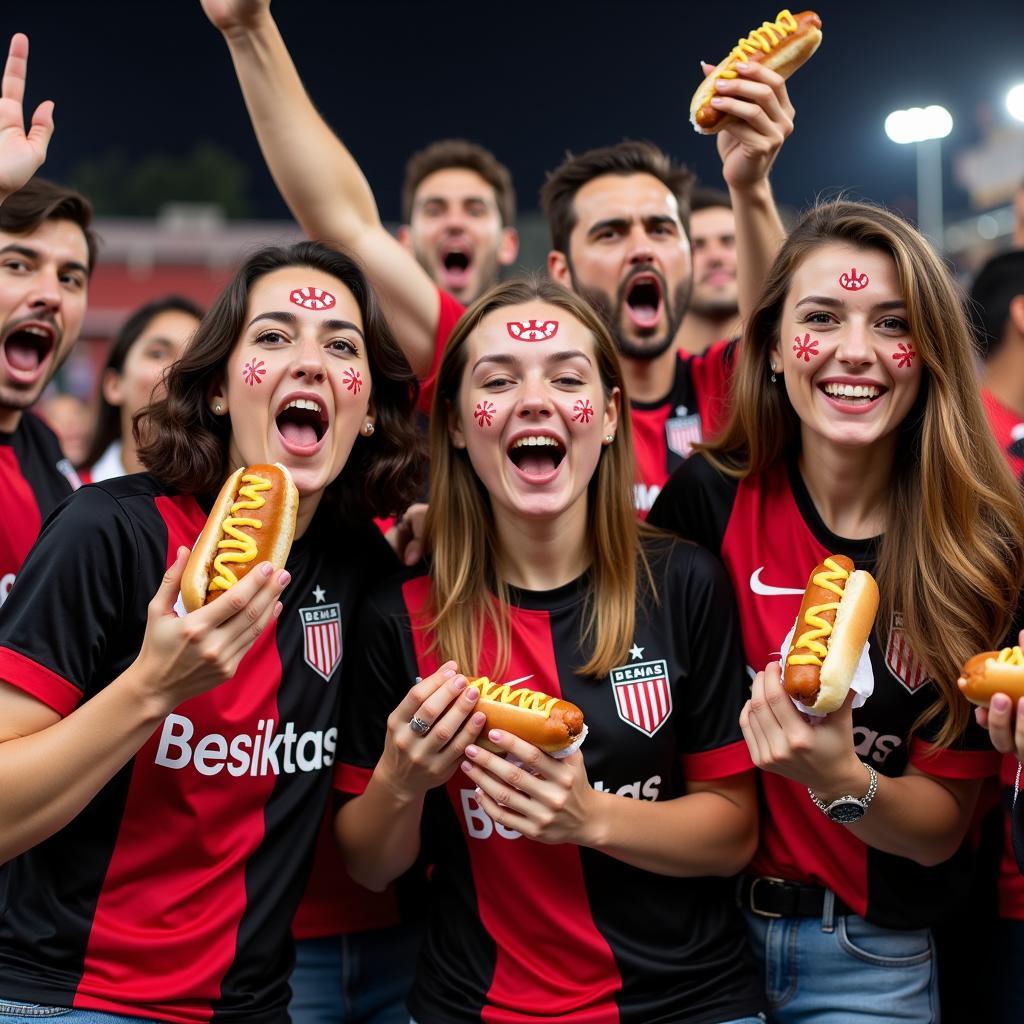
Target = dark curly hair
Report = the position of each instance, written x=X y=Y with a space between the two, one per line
x=187 y=446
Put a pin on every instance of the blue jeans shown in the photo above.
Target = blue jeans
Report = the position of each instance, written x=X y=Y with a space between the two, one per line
x=354 y=979
x=843 y=970
x=13 y=1011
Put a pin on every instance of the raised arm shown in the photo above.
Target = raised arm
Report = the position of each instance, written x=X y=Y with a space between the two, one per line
x=317 y=176
x=21 y=153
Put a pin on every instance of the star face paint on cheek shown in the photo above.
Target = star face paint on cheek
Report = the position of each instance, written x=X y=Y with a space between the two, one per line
x=853 y=282
x=905 y=357
x=253 y=371
x=805 y=347
x=312 y=298
x=531 y=330
x=352 y=380
x=583 y=411
x=484 y=413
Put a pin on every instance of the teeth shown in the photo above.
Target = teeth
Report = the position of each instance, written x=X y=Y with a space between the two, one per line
x=533 y=442
x=304 y=403
x=39 y=332
x=852 y=390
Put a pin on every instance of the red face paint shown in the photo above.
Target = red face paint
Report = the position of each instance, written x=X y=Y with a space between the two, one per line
x=905 y=356
x=583 y=410
x=531 y=330
x=484 y=413
x=806 y=347
x=312 y=298
x=352 y=380
x=853 y=282
x=253 y=371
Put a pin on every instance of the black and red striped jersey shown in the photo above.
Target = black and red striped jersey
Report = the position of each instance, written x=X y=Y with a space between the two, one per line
x=664 y=432
x=525 y=931
x=770 y=536
x=170 y=896
x=35 y=478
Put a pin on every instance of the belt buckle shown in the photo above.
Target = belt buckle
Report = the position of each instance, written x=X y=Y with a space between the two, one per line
x=753 y=887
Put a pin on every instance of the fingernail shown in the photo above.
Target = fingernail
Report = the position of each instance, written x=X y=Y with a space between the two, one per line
x=473 y=694
x=742 y=66
x=478 y=719
x=466 y=766
x=285 y=578
x=472 y=751
x=448 y=672
x=716 y=101
x=495 y=734
x=1000 y=702
x=458 y=684
x=266 y=568
x=278 y=608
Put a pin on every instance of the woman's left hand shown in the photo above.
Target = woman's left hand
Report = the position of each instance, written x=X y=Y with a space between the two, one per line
x=781 y=740
x=546 y=799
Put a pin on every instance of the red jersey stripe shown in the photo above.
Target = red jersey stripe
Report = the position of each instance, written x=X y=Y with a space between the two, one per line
x=954 y=764
x=53 y=690
x=719 y=763
x=350 y=779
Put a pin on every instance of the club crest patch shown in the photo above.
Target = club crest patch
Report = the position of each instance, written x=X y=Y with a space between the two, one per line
x=321 y=637
x=643 y=697
x=682 y=433
x=900 y=660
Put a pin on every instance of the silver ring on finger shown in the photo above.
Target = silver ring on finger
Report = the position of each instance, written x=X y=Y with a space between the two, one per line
x=419 y=727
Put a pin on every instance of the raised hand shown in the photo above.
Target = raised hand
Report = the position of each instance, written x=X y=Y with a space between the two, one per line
x=21 y=153
x=230 y=15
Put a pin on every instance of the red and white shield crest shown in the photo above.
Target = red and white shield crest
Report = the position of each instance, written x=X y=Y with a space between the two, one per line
x=900 y=660
x=321 y=638
x=682 y=433
x=643 y=697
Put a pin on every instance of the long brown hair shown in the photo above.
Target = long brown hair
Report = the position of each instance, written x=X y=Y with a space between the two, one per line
x=186 y=445
x=951 y=560
x=460 y=524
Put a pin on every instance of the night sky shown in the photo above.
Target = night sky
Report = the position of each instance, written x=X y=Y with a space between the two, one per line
x=529 y=80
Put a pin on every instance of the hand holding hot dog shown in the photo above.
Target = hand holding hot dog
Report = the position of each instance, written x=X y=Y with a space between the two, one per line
x=997 y=686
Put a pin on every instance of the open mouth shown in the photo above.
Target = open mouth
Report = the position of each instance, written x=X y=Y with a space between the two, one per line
x=302 y=422
x=643 y=301
x=28 y=347
x=456 y=263
x=537 y=455
x=852 y=394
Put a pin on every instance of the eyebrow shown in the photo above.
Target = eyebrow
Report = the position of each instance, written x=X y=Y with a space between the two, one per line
x=505 y=359
x=33 y=254
x=291 y=319
x=827 y=300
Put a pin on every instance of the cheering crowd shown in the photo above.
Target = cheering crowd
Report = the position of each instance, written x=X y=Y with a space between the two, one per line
x=608 y=484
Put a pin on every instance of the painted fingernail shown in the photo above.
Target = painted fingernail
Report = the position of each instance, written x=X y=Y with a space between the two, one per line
x=458 y=684
x=472 y=751
x=1000 y=702
x=266 y=568
x=472 y=695
x=496 y=734
x=285 y=578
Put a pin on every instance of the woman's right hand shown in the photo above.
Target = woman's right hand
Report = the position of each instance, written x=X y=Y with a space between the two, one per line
x=182 y=657
x=414 y=761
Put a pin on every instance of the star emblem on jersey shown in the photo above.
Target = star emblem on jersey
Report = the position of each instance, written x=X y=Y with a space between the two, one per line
x=682 y=433
x=321 y=635
x=900 y=660
x=643 y=697
x=635 y=652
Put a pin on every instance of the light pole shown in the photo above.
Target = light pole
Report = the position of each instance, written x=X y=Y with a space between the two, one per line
x=926 y=127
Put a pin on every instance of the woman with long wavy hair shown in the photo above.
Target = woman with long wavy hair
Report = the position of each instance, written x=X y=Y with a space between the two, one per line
x=165 y=774
x=566 y=888
x=857 y=429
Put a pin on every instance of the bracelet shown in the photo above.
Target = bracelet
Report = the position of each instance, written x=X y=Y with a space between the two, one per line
x=847 y=809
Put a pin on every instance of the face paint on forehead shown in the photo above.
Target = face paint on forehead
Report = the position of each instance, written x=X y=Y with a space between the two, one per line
x=805 y=347
x=253 y=371
x=532 y=330
x=312 y=298
x=484 y=413
x=582 y=410
x=905 y=356
x=852 y=281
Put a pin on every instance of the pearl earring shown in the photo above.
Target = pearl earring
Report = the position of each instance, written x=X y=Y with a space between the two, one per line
x=368 y=429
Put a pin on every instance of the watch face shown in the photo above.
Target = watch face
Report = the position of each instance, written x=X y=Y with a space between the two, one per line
x=846 y=811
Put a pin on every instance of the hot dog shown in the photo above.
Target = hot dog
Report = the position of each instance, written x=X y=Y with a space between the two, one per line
x=546 y=722
x=781 y=45
x=993 y=672
x=252 y=521
x=835 y=620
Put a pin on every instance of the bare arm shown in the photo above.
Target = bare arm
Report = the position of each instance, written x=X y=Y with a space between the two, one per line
x=318 y=177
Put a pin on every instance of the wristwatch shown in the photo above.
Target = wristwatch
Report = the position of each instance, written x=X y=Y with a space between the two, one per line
x=847 y=809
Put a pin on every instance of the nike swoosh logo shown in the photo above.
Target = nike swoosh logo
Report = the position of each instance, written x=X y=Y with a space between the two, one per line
x=766 y=589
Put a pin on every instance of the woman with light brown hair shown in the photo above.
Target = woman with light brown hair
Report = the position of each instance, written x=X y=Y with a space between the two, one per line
x=556 y=897
x=857 y=429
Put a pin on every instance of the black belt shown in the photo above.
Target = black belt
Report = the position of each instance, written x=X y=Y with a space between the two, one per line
x=775 y=897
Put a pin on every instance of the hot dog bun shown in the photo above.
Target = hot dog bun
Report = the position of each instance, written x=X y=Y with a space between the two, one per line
x=546 y=722
x=831 y=629
x=252 y=521
x=781 y=45
x=993 y=672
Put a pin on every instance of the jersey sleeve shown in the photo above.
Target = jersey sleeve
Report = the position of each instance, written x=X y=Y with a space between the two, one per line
x=711 y=376
x=711 y=744
x=695 y=503
x=69 y=598
x=378 y=678
x=448 y=314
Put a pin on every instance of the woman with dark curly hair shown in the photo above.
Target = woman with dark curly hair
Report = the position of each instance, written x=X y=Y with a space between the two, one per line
x=165 y=774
